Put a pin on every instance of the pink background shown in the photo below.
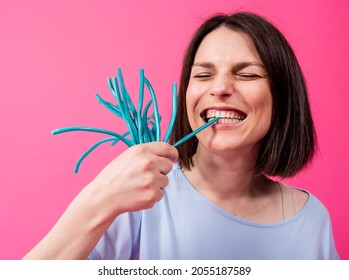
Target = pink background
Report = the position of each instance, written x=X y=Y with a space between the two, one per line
x=55 y=55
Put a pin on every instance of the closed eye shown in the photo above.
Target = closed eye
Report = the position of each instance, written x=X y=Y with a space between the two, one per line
x=248 y=76
x=249 y=71
x=204 y=75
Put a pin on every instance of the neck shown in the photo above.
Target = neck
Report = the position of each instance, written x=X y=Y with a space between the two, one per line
x=225 y=173
x=229 y=181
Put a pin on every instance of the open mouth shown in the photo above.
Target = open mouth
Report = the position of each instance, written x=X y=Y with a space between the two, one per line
x=225 y=116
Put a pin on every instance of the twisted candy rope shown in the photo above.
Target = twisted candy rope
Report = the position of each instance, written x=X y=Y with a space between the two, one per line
x=142 y=127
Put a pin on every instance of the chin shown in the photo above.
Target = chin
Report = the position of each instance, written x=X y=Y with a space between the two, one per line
x=220 y=147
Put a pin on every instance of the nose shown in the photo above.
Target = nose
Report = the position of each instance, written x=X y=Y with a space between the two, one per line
x=222 y=86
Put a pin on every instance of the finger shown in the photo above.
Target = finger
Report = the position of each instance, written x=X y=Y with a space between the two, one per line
x=164 y=165
x=163 y=182
x=164 y=150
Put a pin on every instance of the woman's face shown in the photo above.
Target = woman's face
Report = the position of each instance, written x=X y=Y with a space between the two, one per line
x=228 y=80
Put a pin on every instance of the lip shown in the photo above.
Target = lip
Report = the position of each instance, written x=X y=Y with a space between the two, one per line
x=225 y=109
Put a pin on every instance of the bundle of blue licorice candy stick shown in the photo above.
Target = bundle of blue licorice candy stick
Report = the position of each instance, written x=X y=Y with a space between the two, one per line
x=143 y=126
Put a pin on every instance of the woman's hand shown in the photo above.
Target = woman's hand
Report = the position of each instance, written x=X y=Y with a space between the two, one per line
x=134 y=180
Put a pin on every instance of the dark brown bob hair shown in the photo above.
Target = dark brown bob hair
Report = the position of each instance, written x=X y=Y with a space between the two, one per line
x=290 y=143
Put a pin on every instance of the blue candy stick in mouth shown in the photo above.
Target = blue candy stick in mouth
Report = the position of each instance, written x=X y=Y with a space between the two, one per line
x=142 y=124
x=196 y=131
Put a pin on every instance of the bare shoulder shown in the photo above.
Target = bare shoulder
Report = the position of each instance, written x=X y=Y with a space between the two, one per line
x=300 y=198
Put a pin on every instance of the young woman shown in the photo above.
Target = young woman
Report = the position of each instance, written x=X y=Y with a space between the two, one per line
x=211 y=199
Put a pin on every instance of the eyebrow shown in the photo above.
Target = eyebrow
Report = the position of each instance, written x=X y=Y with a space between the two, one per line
x=203 y=64
x=237 y=66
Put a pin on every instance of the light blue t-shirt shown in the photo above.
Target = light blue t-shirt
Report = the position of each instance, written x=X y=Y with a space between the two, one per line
x=185 y=225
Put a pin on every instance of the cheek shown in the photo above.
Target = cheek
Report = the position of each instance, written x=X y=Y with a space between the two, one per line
x=264 y=103
x=259 y=97
x=193 y=92
x=264 y=108
x=190 y=111
x=192 y=97
x=267 y=105
x=261 y=104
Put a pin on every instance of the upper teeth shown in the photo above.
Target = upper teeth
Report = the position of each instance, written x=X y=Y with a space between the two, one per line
x=211 y=113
